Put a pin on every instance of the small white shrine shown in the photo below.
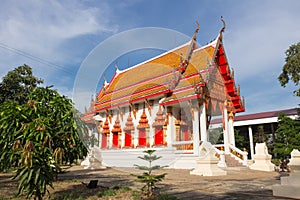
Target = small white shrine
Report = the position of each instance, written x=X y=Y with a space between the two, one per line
x=290 y=185
x=262 y=159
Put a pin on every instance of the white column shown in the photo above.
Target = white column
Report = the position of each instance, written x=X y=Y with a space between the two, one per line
x=231 y=131
x=170 y=128
x=251 y=142
x=225 y=131
x=196 y=132
x=203 y=123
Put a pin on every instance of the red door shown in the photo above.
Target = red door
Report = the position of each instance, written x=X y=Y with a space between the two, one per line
x=127 y=139
x=104 y=141
x=115 y=139
x=159 y=136
x=142 y=137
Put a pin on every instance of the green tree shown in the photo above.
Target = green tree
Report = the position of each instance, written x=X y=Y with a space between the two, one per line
x=240 y=141
x=216 y=135
x=291 y=68
x=287 y=136
x=37 y=135
x=17 y=84
x=148 y=178
x=259 y=136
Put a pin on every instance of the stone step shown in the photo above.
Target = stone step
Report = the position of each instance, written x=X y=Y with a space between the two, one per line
x=236 y=168
x=232 y=162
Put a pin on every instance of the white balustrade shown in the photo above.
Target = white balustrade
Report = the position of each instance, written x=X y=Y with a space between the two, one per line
x=243 y=154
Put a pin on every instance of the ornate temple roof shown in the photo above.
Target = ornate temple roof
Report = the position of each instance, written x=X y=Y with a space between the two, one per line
x=152 y=77
x=163 y=76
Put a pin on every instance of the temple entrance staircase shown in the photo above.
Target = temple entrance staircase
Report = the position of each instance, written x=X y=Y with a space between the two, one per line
x=235 y=159
x=232 y=162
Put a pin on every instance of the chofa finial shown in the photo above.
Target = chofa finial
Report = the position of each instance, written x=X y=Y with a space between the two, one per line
x=222 y=29
x=224 y=24
x=198 y=25
x=196 y=31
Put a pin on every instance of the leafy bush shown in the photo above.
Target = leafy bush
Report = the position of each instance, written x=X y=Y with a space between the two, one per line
x=36 y=137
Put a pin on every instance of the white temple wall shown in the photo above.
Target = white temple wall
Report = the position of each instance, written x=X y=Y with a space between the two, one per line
x=195 y=126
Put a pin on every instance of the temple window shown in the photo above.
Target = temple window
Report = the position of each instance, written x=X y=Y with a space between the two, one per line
x=159 y=129
x=183 y=132
x=129 y=128
x=143 y=127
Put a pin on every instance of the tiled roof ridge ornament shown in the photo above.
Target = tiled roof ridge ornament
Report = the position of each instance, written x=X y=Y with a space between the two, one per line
x=176 y=75
x=185 y=63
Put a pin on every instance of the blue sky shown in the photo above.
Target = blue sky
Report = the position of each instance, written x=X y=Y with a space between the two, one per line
x=55 y=37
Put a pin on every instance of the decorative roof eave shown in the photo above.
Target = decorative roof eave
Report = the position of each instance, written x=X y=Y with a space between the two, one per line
x=220 y=58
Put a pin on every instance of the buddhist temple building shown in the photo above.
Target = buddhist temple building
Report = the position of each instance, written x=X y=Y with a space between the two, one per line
x=166 y=103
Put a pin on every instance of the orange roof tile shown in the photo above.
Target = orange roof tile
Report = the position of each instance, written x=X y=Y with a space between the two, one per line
x=152 y=76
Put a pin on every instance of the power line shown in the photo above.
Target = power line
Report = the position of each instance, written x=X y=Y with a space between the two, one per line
x=35 y=58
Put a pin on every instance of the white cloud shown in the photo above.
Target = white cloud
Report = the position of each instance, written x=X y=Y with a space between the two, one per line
x=38 y=32
x=41 y=28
